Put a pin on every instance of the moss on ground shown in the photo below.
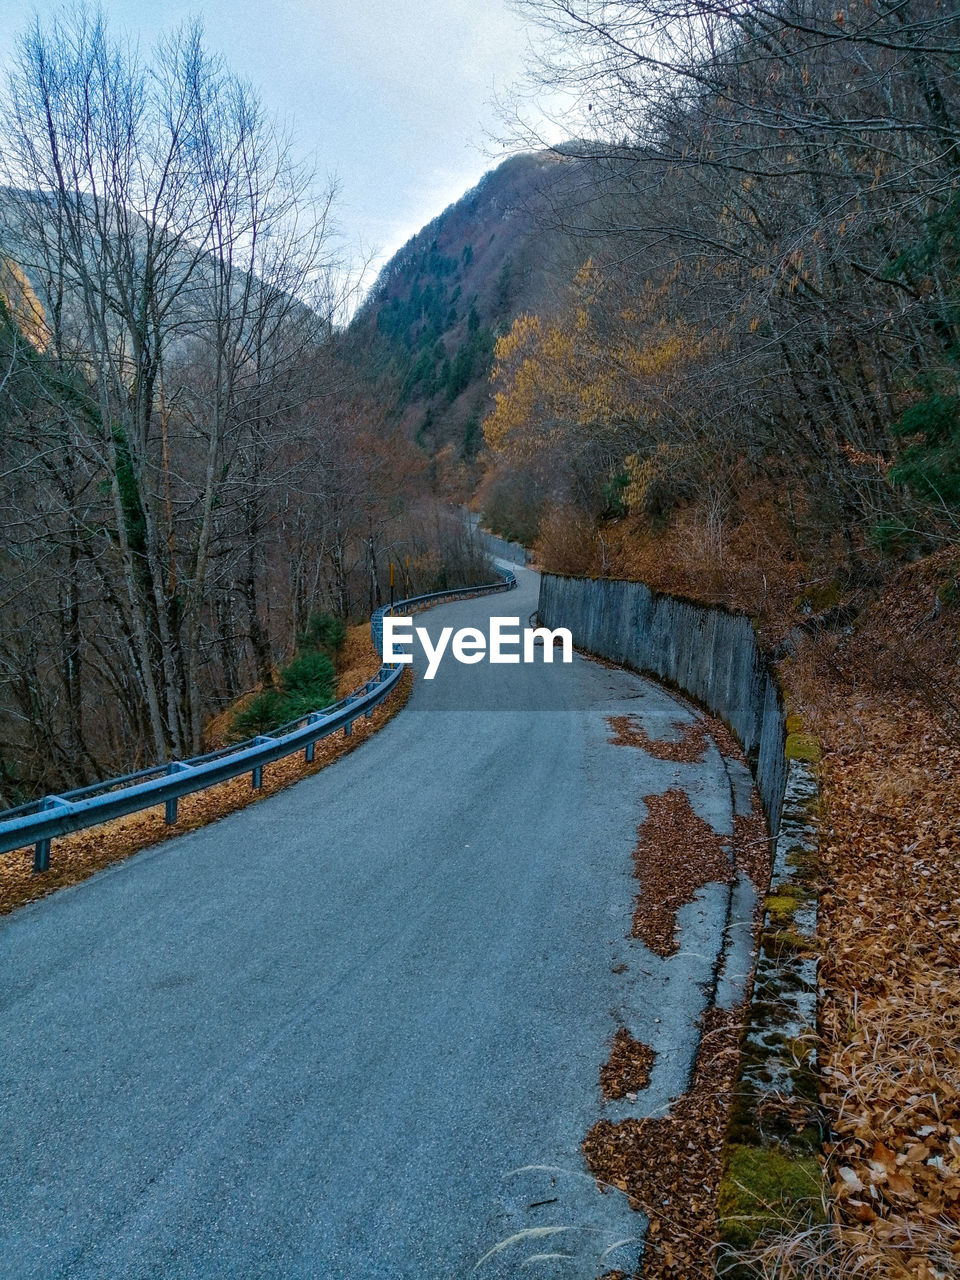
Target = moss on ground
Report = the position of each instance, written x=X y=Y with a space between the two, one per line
x=783 y=904
x=766 y=1189
x=802 y=746
x=818 y=598
x=778 y=943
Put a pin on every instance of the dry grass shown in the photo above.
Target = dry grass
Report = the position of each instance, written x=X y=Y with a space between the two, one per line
x=833 y=1252
x=77 y=856
x=890 y=942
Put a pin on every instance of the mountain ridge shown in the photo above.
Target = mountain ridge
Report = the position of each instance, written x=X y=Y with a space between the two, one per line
x=425 y=334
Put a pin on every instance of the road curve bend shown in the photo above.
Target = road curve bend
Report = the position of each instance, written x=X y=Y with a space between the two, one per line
x=355 y=1030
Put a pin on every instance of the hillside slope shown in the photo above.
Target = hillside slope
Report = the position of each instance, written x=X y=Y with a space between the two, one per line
x=424 y=338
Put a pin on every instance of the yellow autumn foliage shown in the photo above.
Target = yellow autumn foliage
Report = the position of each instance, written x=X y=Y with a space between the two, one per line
x=22 y=304
x=655 y=480
x=587 y=372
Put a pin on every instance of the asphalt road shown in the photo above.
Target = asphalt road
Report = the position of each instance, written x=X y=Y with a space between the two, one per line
x=354 y=1032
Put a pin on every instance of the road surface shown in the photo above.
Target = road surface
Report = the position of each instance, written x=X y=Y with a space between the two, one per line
x=354 y=1032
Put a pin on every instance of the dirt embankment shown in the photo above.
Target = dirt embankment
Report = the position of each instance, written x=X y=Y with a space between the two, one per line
x=884 y=699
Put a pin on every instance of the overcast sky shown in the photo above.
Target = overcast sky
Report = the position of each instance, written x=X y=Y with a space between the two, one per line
x=394 y=96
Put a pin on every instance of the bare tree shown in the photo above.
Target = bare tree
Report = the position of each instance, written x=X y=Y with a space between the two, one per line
x=179 y=253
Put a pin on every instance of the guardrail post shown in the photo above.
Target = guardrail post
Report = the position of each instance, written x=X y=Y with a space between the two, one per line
x=41 y=856
x=41 y=850
x=348 y=729
x=170 y=806
x=256 y=777
x=310 y=748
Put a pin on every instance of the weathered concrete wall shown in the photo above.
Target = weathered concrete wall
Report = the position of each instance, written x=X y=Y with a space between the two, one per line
x=514 y=552
x=771 y=1175
x=709 y=653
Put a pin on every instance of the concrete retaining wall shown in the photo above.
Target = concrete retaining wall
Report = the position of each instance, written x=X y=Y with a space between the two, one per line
x=707 y=652
x=513 y=552
x=774 y=1130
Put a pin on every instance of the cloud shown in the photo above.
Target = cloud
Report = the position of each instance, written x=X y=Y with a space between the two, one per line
x=393 y=96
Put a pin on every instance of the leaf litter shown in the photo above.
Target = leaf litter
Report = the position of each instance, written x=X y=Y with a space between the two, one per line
x=670 y=1166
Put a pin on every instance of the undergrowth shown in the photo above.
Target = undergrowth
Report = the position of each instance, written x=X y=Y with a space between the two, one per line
x=306 y=683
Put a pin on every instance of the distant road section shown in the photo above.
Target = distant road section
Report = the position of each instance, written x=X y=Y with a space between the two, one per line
x=513 y=552
x=354 y=1031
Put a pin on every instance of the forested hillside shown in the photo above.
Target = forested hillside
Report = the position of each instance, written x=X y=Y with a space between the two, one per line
x=761 y=354
x=190 y=474
x=425 y=335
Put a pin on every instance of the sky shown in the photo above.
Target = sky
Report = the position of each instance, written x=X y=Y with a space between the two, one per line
x=396 y=98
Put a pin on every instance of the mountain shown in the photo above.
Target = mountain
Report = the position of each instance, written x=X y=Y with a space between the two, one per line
x=424 y=338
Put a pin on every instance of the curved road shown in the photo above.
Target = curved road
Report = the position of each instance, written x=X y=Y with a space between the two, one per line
x=354 y=1032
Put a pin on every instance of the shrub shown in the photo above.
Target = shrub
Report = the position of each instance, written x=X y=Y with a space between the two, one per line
x=324 y=633
x=262 y=712
x=308 y=676
x=930 y=464
x=305 y=684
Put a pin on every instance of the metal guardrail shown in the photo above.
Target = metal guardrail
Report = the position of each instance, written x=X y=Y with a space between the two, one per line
x=508 y=580
x=41 y=821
